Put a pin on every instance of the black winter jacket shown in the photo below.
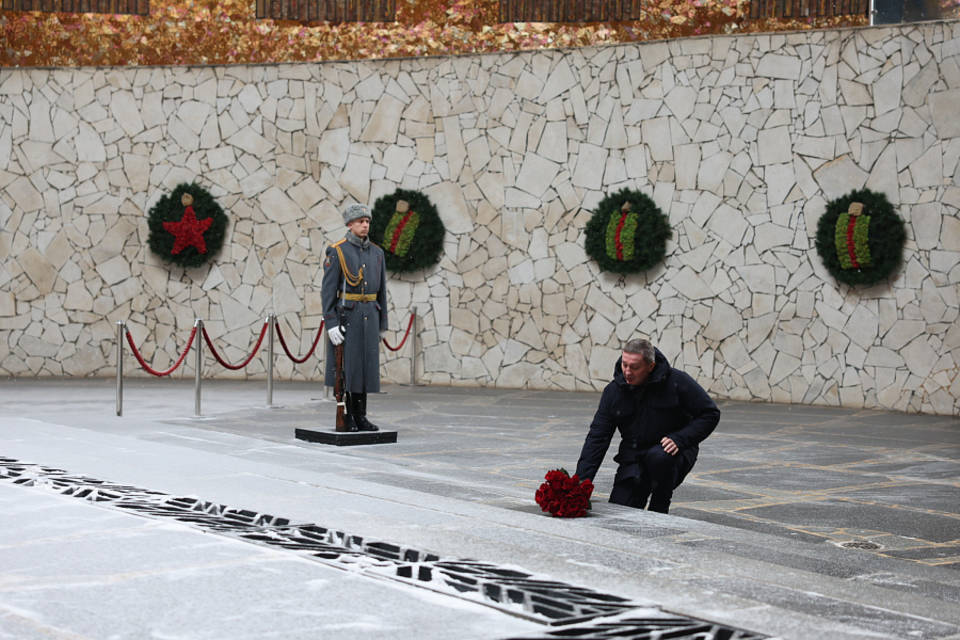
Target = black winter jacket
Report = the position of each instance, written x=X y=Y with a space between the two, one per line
x=670 y=403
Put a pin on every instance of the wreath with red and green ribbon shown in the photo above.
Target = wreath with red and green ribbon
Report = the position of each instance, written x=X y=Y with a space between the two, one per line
x=627 y=233
x=187 y=226
x=408 y=228
x=860 y=238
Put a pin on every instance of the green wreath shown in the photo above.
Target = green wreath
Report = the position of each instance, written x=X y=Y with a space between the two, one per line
x=408 y=227
x=860 y=238
x=187 y=226
x=627 y=233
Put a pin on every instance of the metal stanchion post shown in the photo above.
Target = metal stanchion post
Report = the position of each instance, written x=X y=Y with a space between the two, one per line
x=272 y=324
x=413 y=348
x=120 y=335
x=199 y=373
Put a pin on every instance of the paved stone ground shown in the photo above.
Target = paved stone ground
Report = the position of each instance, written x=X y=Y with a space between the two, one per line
x=754 y=541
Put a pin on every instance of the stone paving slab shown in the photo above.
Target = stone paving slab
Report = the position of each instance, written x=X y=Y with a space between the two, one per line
x=757 y=552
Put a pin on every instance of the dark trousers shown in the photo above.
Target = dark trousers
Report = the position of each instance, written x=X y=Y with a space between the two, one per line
x=653 y=478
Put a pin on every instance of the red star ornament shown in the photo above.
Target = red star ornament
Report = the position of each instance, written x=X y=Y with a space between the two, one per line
x=188 y=232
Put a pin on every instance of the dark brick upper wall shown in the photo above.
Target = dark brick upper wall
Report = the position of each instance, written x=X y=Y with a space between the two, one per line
x=134 y=7
x=328 y=10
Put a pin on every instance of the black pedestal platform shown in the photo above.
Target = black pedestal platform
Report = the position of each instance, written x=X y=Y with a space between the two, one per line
x=346 y=438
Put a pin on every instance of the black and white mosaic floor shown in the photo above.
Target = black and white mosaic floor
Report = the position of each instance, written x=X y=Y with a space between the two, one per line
x=567 y=611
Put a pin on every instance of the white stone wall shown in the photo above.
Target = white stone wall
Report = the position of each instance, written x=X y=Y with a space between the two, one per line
x=741 y=140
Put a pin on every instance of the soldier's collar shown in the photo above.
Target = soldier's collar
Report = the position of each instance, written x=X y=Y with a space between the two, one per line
x=352 y=238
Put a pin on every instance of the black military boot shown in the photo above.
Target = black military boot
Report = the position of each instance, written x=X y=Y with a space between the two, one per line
x=349 y=417
x=360 y=413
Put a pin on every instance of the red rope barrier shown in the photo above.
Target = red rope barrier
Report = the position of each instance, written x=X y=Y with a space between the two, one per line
x=234 y=367
x=402 y=342
x=309 y=353
x=148 y=368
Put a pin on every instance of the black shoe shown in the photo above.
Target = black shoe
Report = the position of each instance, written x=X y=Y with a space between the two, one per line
x=365 y=425
x=660 y=505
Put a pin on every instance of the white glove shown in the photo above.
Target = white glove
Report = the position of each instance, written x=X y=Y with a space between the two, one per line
x=336 y=335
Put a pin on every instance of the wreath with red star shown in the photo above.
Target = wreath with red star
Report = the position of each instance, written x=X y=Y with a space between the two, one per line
x=187 y=226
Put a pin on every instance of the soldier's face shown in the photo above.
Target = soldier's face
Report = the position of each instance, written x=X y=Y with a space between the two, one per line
x=635 y=368
x=360 y=227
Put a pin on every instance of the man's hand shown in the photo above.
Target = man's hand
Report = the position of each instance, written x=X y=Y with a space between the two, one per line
x=669 y=446
x=336 y=335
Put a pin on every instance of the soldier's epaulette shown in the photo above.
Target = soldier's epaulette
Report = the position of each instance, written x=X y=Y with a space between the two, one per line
x=337 y=243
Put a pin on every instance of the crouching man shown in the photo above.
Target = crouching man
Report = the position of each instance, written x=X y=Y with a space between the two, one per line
x=662 y=414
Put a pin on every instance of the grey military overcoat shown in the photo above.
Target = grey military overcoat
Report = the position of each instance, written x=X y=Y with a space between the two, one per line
x=363 y=320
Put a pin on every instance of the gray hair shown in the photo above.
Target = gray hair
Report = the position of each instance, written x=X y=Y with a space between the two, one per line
x=641 y=347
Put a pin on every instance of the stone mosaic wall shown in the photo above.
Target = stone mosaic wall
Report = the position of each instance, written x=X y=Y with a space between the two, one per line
x=741 y=140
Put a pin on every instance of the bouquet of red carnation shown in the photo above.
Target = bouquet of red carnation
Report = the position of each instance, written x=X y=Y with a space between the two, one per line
x=564 y=496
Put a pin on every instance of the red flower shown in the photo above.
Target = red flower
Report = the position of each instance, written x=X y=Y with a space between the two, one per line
x=564 y=496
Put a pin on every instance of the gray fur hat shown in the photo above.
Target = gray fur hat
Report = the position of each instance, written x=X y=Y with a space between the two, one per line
x=355 y=211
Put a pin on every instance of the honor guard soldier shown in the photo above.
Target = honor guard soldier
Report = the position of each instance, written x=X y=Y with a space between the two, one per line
x=354 y=294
